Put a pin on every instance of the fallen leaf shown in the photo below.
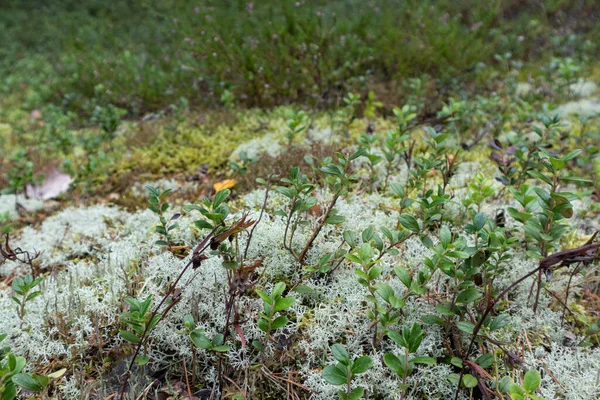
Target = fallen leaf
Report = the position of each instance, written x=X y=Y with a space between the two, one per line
x=226 y=184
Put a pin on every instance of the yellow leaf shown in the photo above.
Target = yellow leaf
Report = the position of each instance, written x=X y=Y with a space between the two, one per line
x=226 y=184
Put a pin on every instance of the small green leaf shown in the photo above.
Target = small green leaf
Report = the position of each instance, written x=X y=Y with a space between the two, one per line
x=129 y=337
x=499 y=322
x=283 y=303
x=303 y=289
x=465 y=326
x=531 y=381
x=468 y=296
x=423 y=360
x=26 y=381
x=220 y=197
x=278 y=290
x=334 y=375
x=340 y=354
x=479 y=221
x=432 y=319
x=410 y=223
x=218 y=339
x=33 y=296
x=200 y=340
x=361 y=365
x=504 y=384
x=394 y=363
x=202 y=224
x=356 y=393
x=516 y=392
x=469 y=381
x=404 y=276
x=485 y=360
x=335 y=219
x=445 y=236
x=142 y=360
x=279 y=322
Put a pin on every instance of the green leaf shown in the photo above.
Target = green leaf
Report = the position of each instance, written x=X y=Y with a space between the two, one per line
x=142 y=360
x=385 y=291
x=10 y=391
x=531 y=381
x=457 y=362
x=287 y=192
x=432 y=319
x=404 y=276
x=220 y=197
x=200 y=340
x=353 y=258
x=351 y=238
x=423 y=360
x=129 y=337
x=361 y=365
x=221 y=349
x=410 y=223
x=479 y=221
x=360 y=152
x=539 y=176
x=303 y=289
x=18 y=364
x=26 y=381
x=453 y=378
x=571 y=155
x=445 y=236
x=516 y=392
x=279 y=322
x=283 y=303
x=218 y=339
x=335 y=219
x=278 y=290
x=468 y=296
x=202 y=224
x=469 y=381
x=356 y=393
x=394 y=364
x=33 y=295
x=485 y=360
x=465 y=326
x=504 y=384
x=265 y=297
x=576 y=179
x=334 y=375
x=413 y=337
x=396 y=337
x=499 y=322
x=263 y=325
x=340 y=354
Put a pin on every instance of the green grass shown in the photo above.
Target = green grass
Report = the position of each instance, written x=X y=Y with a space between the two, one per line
x=145 y=55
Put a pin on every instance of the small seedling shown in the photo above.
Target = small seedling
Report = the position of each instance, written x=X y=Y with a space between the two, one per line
x=11 y=376
x=159 y=206
x=272 y=304
x=140 y=321
x=24 y=288
x=403 y=365
x=202 y=341
x=345 y=370
x=531 y=382
x=296 y=124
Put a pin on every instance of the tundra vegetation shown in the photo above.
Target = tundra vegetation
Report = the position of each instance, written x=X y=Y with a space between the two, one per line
x=300 y=200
